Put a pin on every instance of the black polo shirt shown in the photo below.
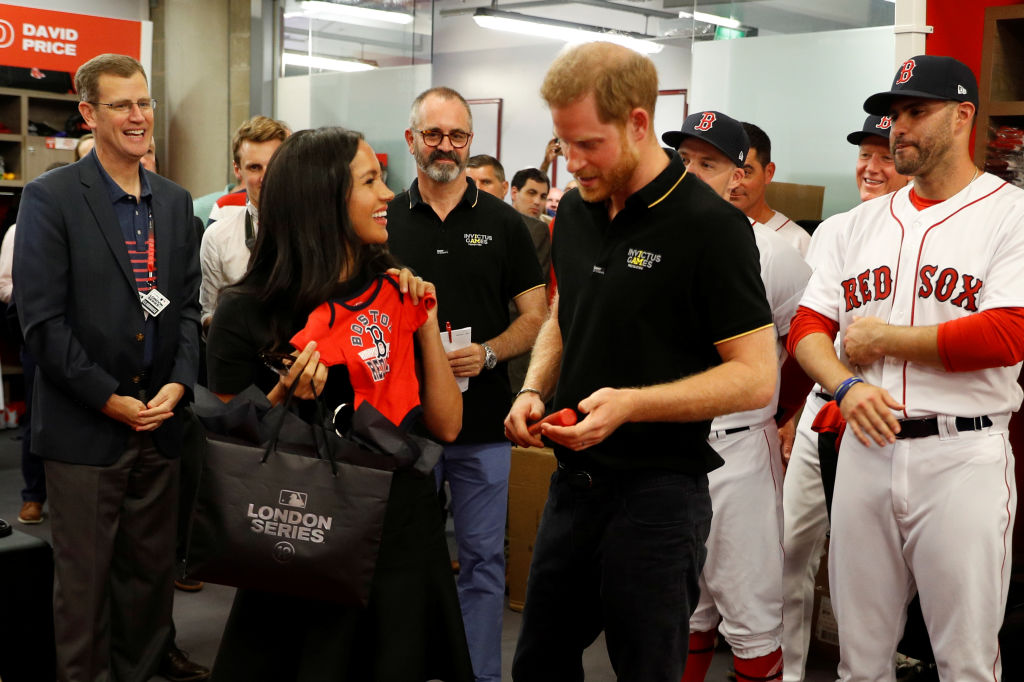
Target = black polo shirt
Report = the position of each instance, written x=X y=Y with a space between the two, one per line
x=643 y=300
x=479 y=258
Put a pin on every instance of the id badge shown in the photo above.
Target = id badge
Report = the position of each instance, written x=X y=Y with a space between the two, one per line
x=154 y=302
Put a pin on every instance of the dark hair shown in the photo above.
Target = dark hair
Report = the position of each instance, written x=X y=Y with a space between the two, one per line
x=760 y=142
x=483 y=160
x=305 y=240
x=535 y=174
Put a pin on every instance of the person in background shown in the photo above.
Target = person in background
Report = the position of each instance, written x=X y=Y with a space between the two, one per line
x=324 y=188
x=476 y=250
x=227 y=242
x=749 y=195
x=530 y=192
x=85 y=144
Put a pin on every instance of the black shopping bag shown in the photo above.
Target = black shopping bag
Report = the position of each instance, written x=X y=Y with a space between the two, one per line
x=301 y=514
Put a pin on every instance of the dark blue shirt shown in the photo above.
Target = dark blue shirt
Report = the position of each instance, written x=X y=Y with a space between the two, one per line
x=134 y=215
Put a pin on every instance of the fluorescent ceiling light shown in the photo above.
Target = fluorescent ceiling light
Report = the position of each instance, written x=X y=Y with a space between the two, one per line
x=711 y=19
x=334 y=11
x=326 y=63
x=567 y=31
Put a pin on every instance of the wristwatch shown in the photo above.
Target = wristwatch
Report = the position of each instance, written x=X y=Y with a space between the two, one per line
x=490 y=359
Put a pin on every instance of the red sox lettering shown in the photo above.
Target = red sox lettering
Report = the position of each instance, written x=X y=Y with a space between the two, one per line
x=876 y=285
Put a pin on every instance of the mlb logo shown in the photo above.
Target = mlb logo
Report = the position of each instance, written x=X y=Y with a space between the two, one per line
x=291 y=498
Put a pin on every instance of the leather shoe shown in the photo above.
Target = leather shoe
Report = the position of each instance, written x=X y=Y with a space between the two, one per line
x=31 y=512
x=177 y=668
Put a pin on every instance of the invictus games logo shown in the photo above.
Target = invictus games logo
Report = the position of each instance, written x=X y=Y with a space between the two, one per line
x=283 y=552
x=477 y=239
x=638 y=259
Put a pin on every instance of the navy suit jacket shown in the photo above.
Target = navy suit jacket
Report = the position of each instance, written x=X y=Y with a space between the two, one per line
x=79 y=308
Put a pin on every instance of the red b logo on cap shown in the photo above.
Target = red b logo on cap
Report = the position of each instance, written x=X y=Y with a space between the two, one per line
x=706 y=121
x=906 y=71
x=885 y=123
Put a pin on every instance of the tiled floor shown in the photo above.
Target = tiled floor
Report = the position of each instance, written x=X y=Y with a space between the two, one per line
x=200 y=616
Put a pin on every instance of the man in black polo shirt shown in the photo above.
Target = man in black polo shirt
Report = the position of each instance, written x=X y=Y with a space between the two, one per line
x=660 y=324
x=478 y=254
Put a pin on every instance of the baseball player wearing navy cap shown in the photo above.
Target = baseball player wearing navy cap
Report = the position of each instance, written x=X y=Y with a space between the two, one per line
x=741 y=583
x=803 y=494
x=926 y=292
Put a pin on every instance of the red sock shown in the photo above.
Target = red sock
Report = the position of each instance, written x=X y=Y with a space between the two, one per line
x=761 y=669
x=702 y=650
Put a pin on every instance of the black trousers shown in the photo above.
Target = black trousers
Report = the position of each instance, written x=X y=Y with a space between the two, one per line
x=623 y=556
x=113 y=542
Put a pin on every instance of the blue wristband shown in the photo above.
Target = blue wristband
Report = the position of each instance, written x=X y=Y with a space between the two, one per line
x=844 y=388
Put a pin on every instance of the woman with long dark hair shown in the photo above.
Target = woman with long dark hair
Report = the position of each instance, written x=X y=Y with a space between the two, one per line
x=322 y=240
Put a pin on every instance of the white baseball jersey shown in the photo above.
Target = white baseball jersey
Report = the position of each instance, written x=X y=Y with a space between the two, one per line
x=919 y=268
x=785 y=275
x=797 y=236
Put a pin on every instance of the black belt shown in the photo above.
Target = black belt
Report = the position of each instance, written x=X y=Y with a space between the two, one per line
x=581 y=479
x=824 y=396
x=738 y=429
x=929 y=426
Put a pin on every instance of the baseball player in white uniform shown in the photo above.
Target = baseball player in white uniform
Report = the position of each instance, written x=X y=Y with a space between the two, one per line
x=803 y=496
x=741 y=583
x=749 y=194
x=927 y=294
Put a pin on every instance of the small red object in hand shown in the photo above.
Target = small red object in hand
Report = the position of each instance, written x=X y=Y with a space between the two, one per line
x=564 y=417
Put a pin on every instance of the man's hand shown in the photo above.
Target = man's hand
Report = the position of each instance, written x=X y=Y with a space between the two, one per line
x=862 y=340
x=161 y=407
x=606 y=409
x=526 y=409
x=787 y=434
x=867 y=410
x=468 y=361
x=125 y=410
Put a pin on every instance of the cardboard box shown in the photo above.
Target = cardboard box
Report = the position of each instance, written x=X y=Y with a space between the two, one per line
x=824 y=628
x=528 y=482
x=797 y=202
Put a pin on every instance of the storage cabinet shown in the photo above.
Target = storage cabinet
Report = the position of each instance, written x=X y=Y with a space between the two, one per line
x=1001 y=89
x=27 y=155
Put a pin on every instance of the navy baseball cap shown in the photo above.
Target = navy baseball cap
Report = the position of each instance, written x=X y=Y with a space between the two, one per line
x=722 y=132
x=929 y=77
x=874 y=126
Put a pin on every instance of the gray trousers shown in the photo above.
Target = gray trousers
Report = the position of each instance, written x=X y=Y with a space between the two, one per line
x=113 y=539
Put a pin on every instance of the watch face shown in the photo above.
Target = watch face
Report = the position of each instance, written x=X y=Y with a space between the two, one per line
x=490 y=359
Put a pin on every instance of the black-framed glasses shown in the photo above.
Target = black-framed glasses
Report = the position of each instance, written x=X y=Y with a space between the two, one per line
x=433 y=138
x=124 y=107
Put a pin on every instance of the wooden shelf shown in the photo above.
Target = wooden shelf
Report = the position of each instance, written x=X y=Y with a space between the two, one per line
x=24 y=155
x=1001 y=88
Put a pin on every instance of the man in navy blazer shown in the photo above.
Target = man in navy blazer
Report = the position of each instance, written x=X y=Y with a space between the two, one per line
x=106 y=261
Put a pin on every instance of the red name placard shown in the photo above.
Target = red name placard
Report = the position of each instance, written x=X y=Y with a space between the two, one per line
x=61 y=41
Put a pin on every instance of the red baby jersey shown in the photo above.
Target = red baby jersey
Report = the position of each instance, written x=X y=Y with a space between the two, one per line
x=372 y=334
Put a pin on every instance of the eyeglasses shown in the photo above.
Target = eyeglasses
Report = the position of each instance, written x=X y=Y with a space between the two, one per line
x=144 y=105
x=433 y=138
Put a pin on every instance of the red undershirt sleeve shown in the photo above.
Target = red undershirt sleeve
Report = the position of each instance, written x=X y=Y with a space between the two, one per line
x=807 y=322
x=794 y=387
x=991 y=338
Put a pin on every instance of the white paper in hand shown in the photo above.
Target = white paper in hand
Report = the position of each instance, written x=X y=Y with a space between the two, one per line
x=460 y=338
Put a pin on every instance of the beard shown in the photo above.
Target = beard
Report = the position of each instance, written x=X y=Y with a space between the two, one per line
x=426 y=158
x=930 y=148
x=616 y=177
